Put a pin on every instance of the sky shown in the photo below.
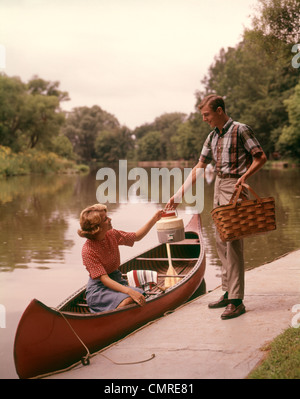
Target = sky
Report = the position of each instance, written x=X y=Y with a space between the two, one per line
x=136 y=59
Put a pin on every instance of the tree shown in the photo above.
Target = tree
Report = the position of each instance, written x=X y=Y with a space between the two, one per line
x=41 y=121
x=46 y=88
x=149 y=147
x=245 y=81
x=289 y=140
x=278 y=20
x=62 y=146
x=111 y=146
x=184 y=139
x=12 y=99
x=190 y=137
x=167 y=125
x=28 y=114
x=275 y=31
x=83 y=125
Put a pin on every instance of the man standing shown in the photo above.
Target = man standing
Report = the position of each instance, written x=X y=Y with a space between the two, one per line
x=237 y=155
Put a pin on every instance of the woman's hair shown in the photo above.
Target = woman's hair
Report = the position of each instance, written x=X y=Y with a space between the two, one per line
x=90 y=221
x=213 y=101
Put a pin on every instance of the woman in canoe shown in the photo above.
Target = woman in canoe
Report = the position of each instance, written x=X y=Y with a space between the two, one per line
x=106 y=289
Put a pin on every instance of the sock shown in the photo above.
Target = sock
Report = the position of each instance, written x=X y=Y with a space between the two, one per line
x=236 y=302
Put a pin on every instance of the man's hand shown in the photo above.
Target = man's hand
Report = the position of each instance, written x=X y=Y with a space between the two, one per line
x=171 y=205
x=240 y=181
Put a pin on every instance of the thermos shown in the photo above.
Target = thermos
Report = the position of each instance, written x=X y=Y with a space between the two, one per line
x=170 y=228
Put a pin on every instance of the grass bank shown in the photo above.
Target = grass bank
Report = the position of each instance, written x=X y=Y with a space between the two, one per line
x=282 y=359
x=34 y=161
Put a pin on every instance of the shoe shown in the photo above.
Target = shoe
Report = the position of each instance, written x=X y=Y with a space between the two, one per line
x=232 y=311
x=221 y=303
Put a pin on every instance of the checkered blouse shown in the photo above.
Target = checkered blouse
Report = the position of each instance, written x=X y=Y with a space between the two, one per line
x=103 y=257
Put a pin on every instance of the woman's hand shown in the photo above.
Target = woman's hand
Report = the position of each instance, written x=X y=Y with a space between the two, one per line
x=157 y=215
x=113 y=285
x=136 y=296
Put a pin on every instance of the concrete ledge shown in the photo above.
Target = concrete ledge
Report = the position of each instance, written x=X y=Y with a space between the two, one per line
x=194 y=343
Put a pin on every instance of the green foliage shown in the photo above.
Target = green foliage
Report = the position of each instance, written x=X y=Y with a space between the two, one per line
x=189 y=138
x=289 y=140
x=167 y=124
x=42 y=121
x=29 y=113
x=82 y=127
x=12 y=100
x=279 y=20
x=149 y=147
x=32 y=161
x=111 y=146
x=164 y=147
x=62 y=146
x=46 y=88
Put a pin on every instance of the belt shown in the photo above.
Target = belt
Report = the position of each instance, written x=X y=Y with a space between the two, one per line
x=228 y=175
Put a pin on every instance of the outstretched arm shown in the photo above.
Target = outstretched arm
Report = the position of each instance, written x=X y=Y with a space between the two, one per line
x=195 y=173
x=148 y=226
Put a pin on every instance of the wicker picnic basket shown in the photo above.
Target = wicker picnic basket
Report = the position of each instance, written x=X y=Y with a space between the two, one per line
x=242 y=218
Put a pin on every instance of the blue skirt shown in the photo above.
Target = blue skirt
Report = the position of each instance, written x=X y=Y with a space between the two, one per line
x=101 y=298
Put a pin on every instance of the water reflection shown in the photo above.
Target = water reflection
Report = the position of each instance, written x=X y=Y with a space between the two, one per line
x=282 y=185
x=36 y=213
x=32 y=223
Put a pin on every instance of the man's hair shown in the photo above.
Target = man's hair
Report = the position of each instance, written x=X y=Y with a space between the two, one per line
x=213 y=101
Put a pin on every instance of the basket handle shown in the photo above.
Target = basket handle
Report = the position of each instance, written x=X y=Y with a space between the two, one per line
x=237 y=193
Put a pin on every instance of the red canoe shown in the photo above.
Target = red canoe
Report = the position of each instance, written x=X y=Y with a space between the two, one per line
x=49 y=339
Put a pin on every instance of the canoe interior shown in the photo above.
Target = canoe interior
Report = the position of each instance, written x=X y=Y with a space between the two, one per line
x=185 y=255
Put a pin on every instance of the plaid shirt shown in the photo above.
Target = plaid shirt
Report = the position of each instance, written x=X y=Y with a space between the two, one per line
x=232 y=149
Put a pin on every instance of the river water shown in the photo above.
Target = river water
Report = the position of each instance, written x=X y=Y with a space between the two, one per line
x=40 y=251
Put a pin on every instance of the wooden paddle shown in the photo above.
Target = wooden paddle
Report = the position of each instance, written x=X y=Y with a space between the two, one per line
x=170 y=281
